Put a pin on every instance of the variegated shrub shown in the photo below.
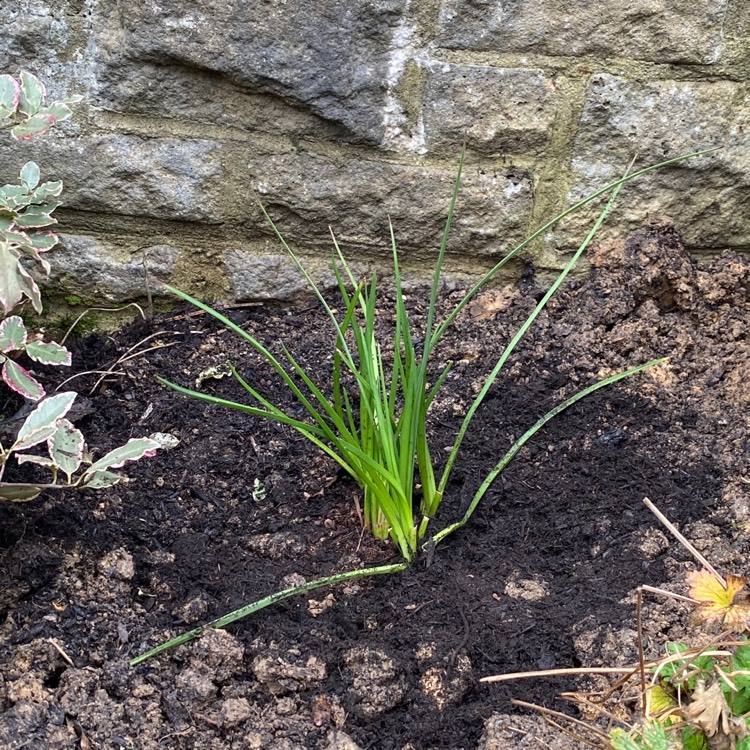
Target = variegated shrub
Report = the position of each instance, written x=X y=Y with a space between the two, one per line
x=25 y=217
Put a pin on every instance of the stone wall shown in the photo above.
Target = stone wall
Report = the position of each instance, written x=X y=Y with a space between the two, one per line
x=345 y=112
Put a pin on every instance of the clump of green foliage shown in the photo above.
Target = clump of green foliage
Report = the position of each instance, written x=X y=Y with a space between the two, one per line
x=379 y=436
x=378 y=432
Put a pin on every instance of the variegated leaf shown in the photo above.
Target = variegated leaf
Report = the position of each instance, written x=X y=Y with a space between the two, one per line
x=47 y=190
x=10 y=95
x=134 y=449
x=48 y=353
x=42 y=241
x=34 y=126
x=29 y=287
x=13 y=195
x=10 y=289
x=42 y=422
x=13 y=334
x=32 y=94
x=21 y=381
x=100 y=479
x=66 y=448
x=35 y=217
x=19 y=493
x=30 y=175
x=30 y=458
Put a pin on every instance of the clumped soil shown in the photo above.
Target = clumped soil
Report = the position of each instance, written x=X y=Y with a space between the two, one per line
x=543 y=576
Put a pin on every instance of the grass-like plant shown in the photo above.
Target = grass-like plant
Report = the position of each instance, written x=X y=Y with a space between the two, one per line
x=380 y=435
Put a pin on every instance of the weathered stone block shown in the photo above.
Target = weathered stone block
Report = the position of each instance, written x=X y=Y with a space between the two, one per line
x=96 y=269
x=166 y=178
x=305 y=193
x=709 y=197
x=329 y=56
x=268 y=277
x=682 y=31
x=497 y=110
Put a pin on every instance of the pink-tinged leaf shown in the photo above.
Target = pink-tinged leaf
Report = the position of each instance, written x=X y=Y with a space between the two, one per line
x=21 y=381
x=48 y=353
x=19 y=493
x=32 y=127
x=59 y=110
x=66 y=448
x=30 y=175
x=100 y=479
x=13 y=334
x=10 y=95
x=15 y=238
x=10 y=288
x=32 y=94
x=43 y=421
x=134 y=449
x=42 y=241
x=30 y=458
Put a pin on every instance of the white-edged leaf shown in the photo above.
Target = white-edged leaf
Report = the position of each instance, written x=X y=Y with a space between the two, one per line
x=47 y=190
x=30 y=175
x=30 y=458
x=134 y=449
x=48 y=353
x=66 y=447
x=21 y=381
x=32 y=94
x=34 y=126
x=13 y=334
x=42 y=241
x=42 y=422
x=37 y=216
x=10 y=95
x=15 y=238
x=29 y=287
x=10 y=289
x=19 y=493
x=99 y=479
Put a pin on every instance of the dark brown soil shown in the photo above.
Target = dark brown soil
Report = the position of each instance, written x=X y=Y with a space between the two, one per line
x=543 y=576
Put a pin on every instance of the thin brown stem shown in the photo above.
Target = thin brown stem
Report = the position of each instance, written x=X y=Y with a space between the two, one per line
x=684 y=542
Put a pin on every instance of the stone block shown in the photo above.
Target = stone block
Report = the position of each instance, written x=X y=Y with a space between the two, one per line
x=255 y=276
x=329 y=57
x=305 y=193
x=708 y=197
x=497 y=110
x=678 y=31
x=107 y=270
x=166 y=178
